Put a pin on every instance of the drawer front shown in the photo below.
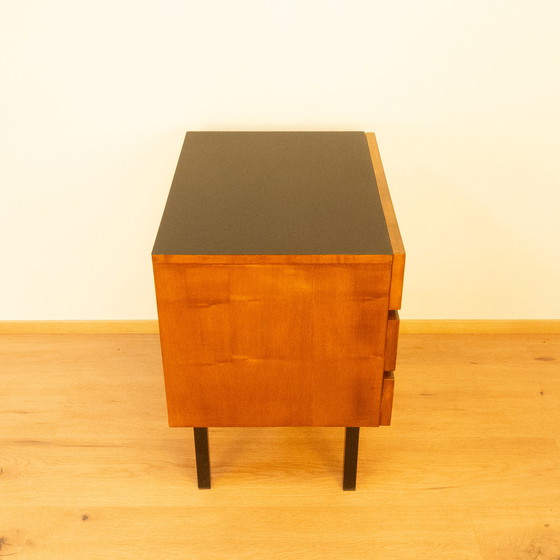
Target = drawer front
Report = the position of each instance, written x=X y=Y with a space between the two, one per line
x=387 y=398
x=391 y=342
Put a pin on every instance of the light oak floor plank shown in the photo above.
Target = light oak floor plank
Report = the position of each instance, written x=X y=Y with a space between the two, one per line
x=470 y=468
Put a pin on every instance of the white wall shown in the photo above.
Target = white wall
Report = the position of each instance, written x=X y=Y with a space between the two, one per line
x=96 y=97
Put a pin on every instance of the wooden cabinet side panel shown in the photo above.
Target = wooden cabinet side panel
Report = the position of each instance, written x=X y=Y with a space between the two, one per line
x=273 y=345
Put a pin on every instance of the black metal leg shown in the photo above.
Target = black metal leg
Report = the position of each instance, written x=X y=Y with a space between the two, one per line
x=351 y=442
x=202 y=457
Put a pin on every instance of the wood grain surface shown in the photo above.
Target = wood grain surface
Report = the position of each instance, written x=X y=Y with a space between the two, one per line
x=273 y=345
x=392 y=342
x=397 y=245
x=387 y=395
x=470 y=468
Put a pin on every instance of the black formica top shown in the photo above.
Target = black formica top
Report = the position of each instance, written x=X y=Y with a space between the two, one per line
x=273 y=193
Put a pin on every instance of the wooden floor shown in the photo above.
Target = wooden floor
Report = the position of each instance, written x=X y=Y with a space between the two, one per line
x=470 y=468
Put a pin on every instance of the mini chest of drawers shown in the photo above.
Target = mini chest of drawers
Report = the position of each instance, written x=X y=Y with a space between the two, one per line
x=278 y=269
